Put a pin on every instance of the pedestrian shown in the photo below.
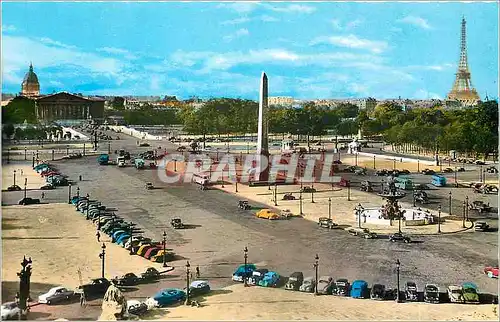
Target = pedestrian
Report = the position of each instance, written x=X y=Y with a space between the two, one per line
x=80 y=177
x=197 y=272
x=98 y=235
x=16 y=299
x=83 y=299
x=21 y=171
x=88 y=196
x=43 y=195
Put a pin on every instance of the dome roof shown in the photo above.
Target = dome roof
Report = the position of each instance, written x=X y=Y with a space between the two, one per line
x=30 y=77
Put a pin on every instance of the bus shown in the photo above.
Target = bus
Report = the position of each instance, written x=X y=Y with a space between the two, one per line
x=438 y=181
x=202 y=179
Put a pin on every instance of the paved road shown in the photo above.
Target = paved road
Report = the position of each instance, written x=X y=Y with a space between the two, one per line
x=222 y=231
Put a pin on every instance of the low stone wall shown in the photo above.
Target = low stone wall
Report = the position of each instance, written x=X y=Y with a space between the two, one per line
x=414 y=216
x=420 y=222
x=401 y=159
x=135 y=133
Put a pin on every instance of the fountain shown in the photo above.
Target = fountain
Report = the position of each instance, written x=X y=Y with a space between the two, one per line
x=392 y=210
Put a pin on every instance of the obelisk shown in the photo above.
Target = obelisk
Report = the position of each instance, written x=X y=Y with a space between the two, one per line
x=262 y=135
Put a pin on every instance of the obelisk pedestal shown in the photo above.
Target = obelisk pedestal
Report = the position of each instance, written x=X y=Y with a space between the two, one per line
x=262 y=136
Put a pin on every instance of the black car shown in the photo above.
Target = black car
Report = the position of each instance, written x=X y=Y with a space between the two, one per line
x=341 y=287
x=411 y=292
x=151 y=274
x=14 y=187
x=382 y=172
x=404 y=171
x=308 y=189
x=399 y=237
x=177 y=223
x=294 y=281
x=97 y=287
x=138 y=309
x=129 y=279
x=492 y=169
x=431 y=294
x=29 y=201
x=377 y=292
x=428 y=172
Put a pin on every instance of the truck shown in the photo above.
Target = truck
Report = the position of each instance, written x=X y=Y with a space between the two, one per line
x=139 y=163
x=103 y=159
x=120 y=161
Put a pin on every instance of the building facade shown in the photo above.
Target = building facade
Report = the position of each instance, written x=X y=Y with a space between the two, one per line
x=30 y=86
x=68 y=107
x=280 y=100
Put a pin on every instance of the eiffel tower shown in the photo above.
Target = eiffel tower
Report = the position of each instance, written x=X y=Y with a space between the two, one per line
x=462 y=89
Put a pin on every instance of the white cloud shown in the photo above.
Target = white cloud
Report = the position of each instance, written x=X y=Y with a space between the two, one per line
x=17 y=52
x=155 y=83
x=416 y=21
x=424 y=94
x=350 y=25
x=55 y=83
x=291 y=8
x=237 y=34
x=352 y=41
x=240 y=7
x=442 y=67
x=8 y=28
x=235 y=21
x=118 y=51
x=267 y=18
x=52 y=42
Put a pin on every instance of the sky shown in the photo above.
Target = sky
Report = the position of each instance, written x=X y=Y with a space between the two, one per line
x=309 y=50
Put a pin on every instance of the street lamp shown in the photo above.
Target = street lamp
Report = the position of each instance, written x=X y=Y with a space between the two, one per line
x=449 y=202
x=348 y=183
x=312 y=195
x=356 y=158
x=455 y=174
x=102 y=256
x=25 y=185
x=398 y=265
x=329 y=208
x=14 y=177
x=414 y=197
x=69 y=193
x=467 y=207
x=374 y=163
x=222 y=175
x=358 y=210
x=300 y=202
x=418 y=165
x=131 y=238
x=439 y=219
x=480 y=173
x=164 y=248
x=78 y=192
x=463 y=213
x=175 y=165
x=275 y=194
x=394 y=164
x=316 y=264
x=245 y=252
x=187 y=283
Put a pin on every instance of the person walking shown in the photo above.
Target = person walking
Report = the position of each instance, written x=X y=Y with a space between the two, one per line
x=197 y=272
x=98 y=235
x=43 y=195
x=83 y=299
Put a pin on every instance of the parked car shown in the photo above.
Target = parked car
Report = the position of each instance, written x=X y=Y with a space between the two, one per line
x=158 y=257
x=294 y=281
x=167 y=297
x=177 y=223
x=325 y=285
x=366 y=186
x=455 y=294
x=257 y=275
x=55 y=295
x=243 y=205
x=197 y=288
x=411 y=292
x=136 y=307
x=382 y=172
x=491 y=271
x=14 y=187
x=377 y=292
x=270 y=279
x=341 y=287
x=243 y=271
x=47 y=187
x=326 y=223
x=492 y=169
x=152 y=252
x=149 y=185
x=10 y=311
x=308 y=189
x=96 y=287
x=470 y=294
x=29 y=201
x=151 y=273
x=481 y=226
x=307 y=285
x=128 y=279
x=428 y=172
x=399 y=237
x=362 y=232
x=267 y=214
x=288 y=196
x=431 y=293
x=359 y=289
x=448 y=170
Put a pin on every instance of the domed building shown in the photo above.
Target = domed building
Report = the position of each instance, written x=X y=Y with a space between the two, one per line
x=30 y=86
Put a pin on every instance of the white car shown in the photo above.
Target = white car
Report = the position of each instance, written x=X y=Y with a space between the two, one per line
x=455 y=294
x=151 y=303
x=56 y=294
x=10 y=310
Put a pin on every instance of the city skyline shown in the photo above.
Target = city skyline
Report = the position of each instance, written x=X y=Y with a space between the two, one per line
x=347 y=50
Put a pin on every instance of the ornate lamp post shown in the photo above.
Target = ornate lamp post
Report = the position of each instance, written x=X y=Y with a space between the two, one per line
x=187 y=283
x=449 y=202
x=69 y=193
x=78 y=192
x=24 y=287
x=439 y=219
x=467 y=207
x=175 y=165
x=398 y=265
x=245 y=252
x=14 y=177
x=316 y=265
x=455 y=174
x=102 y=256
x=413 y=195
x=25 y=186
x=164 y=248
x=358 y=210
x=300 y=203
x=374 y=163
x=394 y=164
x=329 y=208
x=348 y=190
x=356 y=158
x=275 y=194
x=463 y=213
x=418 y=165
